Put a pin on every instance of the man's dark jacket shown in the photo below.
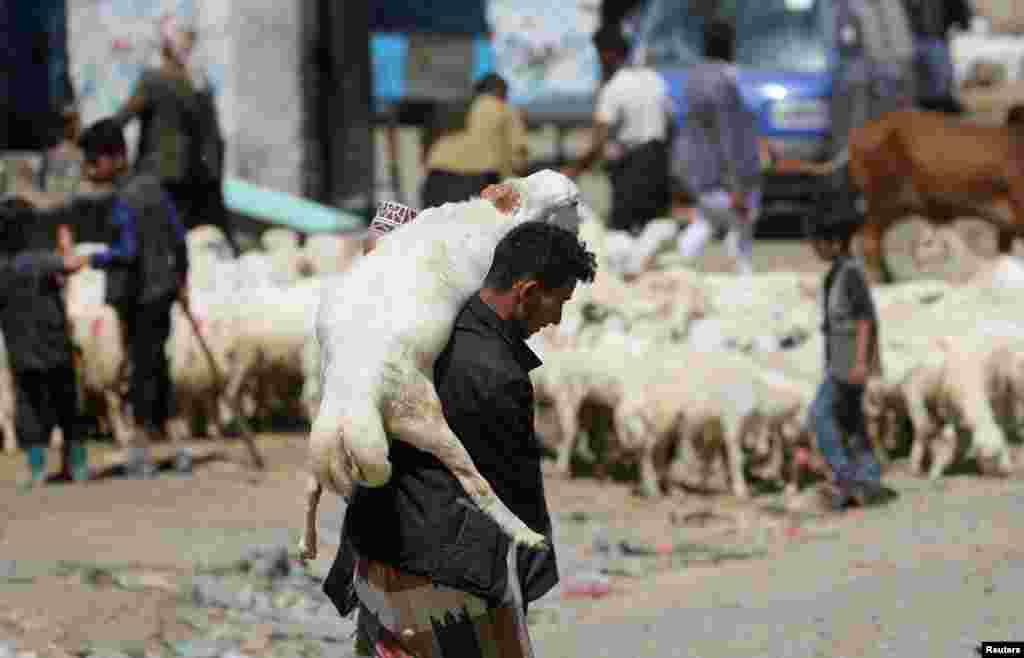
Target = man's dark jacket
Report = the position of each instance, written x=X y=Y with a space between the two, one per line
x=420 y=521
x=148 y=257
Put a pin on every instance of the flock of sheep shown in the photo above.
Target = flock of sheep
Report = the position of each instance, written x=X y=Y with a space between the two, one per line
x=697 y=375
x=704 y=374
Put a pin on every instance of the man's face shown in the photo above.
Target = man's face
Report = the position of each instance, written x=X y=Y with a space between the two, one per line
x=107 y=167
x=537 y=306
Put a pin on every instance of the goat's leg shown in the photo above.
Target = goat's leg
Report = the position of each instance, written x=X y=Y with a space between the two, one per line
x=419 y=421
x=308 y=545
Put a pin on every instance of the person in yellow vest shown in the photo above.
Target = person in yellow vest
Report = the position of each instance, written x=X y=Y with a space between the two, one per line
x=476 y=147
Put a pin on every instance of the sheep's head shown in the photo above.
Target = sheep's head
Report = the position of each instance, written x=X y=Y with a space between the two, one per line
x=547 y=196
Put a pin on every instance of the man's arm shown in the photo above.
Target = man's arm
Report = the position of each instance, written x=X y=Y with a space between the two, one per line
x=605 y=114
x=516 y=142
x=42 y=263
x=124 y=251
x=598 y=139
x=863 y=311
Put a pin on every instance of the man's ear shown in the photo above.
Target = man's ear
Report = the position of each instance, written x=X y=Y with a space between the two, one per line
x=526 y=288
x=503 y=196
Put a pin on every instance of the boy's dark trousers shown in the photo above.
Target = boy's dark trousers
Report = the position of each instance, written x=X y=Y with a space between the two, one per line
x=837 y=410
x=48 y=399
x=147 y=326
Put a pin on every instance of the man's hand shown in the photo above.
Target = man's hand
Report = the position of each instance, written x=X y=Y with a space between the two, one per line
x=858 y=375
x=74 y=262
x=65 y=239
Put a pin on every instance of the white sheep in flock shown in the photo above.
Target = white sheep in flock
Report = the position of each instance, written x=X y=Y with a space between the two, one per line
x=378 y=358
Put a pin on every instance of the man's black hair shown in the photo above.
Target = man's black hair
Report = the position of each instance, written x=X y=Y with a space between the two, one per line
x=490 y=84
x=547 y=253
x=719 y=40
x=610 y=39
x=104 y=137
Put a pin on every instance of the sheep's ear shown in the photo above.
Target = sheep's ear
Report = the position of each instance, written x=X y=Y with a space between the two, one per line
x=503 y=196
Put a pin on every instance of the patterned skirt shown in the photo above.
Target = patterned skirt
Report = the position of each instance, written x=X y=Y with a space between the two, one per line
x=407 y=616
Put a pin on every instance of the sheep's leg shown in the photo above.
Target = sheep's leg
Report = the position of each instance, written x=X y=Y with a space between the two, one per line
x=891 y=433
x=772 y=471
x=732 y=435
x=308 y=545
x=568 y=409
x=118 y=423
x=924 y=428
x=649 y=487
x=584 y=449
x=943 y=451
x=419 y=421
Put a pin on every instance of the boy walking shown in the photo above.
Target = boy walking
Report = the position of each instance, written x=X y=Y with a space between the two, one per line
x=851 y=356
x=35 y=328
x=147 y=269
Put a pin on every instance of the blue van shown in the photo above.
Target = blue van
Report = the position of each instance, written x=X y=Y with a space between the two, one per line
x=808 y=69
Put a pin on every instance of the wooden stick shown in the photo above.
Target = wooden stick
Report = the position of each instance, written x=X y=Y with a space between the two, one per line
x=221 y=384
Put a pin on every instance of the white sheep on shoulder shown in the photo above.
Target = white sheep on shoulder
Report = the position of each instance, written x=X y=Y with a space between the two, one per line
x=381 y=327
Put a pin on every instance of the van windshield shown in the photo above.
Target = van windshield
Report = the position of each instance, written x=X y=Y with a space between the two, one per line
x=786 y=35
x=782 y=35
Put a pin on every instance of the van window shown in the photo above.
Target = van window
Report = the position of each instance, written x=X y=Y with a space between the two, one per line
x=783 y=35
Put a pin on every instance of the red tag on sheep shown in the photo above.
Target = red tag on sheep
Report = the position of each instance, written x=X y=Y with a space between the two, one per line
x=97 y=327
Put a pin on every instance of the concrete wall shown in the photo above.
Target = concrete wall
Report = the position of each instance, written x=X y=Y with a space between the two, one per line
x=250 y=49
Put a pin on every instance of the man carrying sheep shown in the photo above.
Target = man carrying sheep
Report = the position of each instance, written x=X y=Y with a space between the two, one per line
x=147 y=269
x=432 y=572
x=851 y=355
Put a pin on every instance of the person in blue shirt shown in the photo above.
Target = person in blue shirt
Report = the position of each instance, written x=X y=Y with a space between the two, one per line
x=717 y=154
x=147 y=270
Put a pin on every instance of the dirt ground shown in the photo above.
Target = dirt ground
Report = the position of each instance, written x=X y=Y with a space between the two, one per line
x=927 y=570
x=170 y=525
